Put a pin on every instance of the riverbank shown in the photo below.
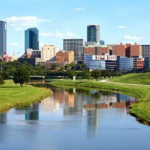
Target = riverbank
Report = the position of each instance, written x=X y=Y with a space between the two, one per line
x=12 y=95
x=141 y=110
x=133 y=78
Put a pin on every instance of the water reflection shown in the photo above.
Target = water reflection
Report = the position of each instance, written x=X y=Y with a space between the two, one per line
x=32 y=112
x=3 y=117
x=80 y=102
x=68 y=112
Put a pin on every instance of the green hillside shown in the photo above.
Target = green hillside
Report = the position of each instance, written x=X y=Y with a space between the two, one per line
x=136 y=78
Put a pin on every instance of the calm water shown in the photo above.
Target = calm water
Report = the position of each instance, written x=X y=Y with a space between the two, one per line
x=74 y=119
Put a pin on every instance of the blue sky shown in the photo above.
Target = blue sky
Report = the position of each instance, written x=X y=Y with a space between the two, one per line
x=120 y=21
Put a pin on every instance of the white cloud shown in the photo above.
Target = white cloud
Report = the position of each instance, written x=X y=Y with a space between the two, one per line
x=13 y=44
x=78 y=8
x=27 y=21
x=66 y=34
x=121 y=27
x=41 y=44
x=67 y=23
x=132 y=38
x=125 y=42
x=18 y=28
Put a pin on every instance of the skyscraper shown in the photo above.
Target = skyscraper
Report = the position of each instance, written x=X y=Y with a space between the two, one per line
x=32 y=39
x=75 y=45
x=3 y=38
x=93 y=33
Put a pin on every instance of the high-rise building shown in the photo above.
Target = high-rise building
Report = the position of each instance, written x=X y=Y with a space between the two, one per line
x=32 y=39
x=3 y=38
x=118 y=50
x=48 y=52
x=127 y=50
x=133 y=50
x=145 y=51
x=75 y=45
x=93 y=33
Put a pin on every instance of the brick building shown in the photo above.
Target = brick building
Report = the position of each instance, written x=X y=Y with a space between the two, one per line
x=65 y=56
x=127 y=50
x=96 y=49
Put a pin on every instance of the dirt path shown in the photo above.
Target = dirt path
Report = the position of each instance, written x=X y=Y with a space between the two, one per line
x=105 y=81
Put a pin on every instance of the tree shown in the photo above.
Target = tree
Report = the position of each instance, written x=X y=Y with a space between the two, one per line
x=88 y=75
x=105 y=73
x=1 y=80
x=62 y=69
x=72 y=64
x=54 y=66
x=67 y=66
x=21 y=76
x=96 y=74
x=71 y=74
x=5 y=75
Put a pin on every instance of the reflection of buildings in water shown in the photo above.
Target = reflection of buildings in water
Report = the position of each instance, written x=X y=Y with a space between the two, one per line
x=74 y=104
x=111 y=98
x=93 y=120
x=32 y=112
x=61 y=97
x=125 y=104
x=121 y=97
x=3 y=118
x=49 y=104
x=3 y=127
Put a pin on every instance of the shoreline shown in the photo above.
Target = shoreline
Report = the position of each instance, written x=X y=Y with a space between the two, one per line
x=140 y=110
x=12 y=96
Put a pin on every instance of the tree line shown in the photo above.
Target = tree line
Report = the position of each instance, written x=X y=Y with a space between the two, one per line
x=20 y=72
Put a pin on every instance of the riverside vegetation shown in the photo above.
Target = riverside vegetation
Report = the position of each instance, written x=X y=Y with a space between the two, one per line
x=141 y=109
x=11 y=95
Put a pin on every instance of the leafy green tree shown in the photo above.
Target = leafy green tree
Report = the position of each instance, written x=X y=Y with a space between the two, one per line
x=87 y=75
x=62 y=69
x=105 y=73
x=67 y=66
x=72 y=64
x=82 y=74
x=1 y=80
x=71 y=74
x=21 y=76
x=96 y=74
x=5 y=75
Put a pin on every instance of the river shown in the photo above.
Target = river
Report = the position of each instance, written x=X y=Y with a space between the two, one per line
x=74 y=119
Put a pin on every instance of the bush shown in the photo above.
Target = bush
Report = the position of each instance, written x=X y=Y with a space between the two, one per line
x=1 y=80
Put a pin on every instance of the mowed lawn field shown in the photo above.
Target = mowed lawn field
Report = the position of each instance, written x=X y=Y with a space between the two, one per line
x=12 y=95
x=135 y=78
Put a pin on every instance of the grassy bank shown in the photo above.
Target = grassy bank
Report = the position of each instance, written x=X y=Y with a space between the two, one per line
x=11 y=95
x=141 y=109
x=136 y=78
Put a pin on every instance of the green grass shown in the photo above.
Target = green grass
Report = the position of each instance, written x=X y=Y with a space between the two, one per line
x=136 y=78
x=12 y=95
x=141 y=109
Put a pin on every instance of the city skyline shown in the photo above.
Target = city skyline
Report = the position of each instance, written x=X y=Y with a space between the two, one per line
x=126 y=21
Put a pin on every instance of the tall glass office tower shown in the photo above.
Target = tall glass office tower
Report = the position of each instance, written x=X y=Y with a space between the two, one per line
x=32 y=39
x=93 y=33
x=3 y=38
x=75 y=45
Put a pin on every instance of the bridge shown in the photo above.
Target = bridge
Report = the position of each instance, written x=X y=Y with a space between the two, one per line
x=43 y=77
